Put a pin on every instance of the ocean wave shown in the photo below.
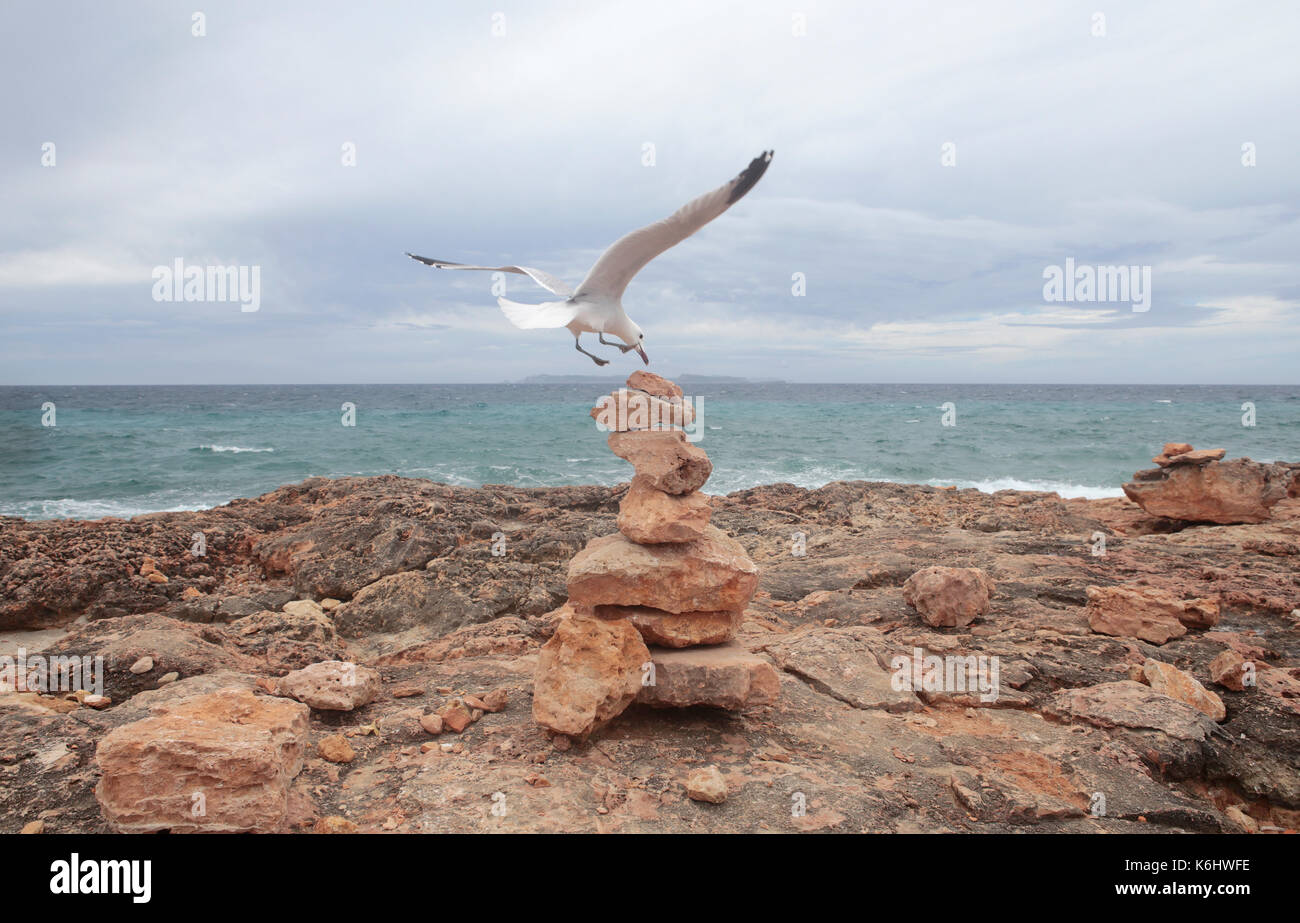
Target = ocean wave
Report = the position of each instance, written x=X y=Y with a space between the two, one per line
x=97 y=509
x=230 y=448
x=723 y=482
x=1067 y=491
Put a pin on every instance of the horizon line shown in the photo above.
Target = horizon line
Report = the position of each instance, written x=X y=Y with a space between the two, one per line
x=736 y=380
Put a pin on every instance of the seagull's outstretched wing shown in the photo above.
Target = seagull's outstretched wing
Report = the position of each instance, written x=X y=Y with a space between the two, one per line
x=544 y=279
x=629 y=254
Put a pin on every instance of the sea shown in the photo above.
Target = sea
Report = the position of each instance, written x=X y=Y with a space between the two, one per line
x=91 y=451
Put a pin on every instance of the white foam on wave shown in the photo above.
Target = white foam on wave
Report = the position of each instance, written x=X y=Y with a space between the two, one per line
x=231 y=448
x=1067 y=491
x=725 y=482
x=67 y=508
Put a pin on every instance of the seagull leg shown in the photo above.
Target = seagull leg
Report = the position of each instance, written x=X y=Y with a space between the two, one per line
x=577 y=344
x=623 y=347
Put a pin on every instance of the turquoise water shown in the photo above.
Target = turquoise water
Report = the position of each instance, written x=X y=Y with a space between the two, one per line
x=119 y=451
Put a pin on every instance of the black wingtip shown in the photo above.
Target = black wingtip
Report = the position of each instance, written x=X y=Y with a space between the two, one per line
x=437 y=264
x=750 y=176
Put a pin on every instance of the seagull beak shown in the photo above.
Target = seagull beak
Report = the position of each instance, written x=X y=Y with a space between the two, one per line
x=644 y=358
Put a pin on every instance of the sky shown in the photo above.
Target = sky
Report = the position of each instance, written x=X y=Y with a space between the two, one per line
x=933 y=163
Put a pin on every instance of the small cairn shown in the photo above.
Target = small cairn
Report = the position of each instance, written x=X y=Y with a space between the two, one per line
x=654 y=608
x=1197 y=485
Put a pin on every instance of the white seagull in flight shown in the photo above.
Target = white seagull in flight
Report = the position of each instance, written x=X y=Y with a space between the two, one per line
x=597 y=306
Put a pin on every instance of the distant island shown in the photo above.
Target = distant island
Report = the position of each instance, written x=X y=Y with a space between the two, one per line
x=616 y=380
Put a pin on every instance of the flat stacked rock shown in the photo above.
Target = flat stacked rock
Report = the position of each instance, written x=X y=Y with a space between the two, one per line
x=654 y=608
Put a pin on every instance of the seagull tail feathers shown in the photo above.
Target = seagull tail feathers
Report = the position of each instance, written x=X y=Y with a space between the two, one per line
x=533 y=316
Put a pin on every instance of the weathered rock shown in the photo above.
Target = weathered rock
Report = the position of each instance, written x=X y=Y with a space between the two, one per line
x=664 y=460
x=173 y=646
x=1197 y=456
x=1168 y=680
x=336 y=749
x=1229 y=669
x=654 y=384
x=1199 y=613
x=721 y=675
x=875 y=768
x=706 y=784
x=677 y=629
x=587 y=674
x=1131 y=705
x=1181 y=453
x=1244 y=822
x=143 y=665
x=407 y=724
x=454 y=595
x=338 y=551
x=333 y=685
x=1281 y=686
x=850 y=664
x=949 y=597
x=713 y=573
x=1236 y=491
x=213 y=763
x=333 y=824
x=303 y=607
x=650 y=516
x=454 y=716
x=1135 y=612
x=290 y=639
x=505 y=635
x=1148 y=613
x=632 y=411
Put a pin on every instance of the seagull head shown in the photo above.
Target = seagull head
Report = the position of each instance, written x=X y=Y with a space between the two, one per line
x=631 y=334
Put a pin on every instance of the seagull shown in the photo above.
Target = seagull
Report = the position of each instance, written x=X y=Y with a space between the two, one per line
x=597 y=305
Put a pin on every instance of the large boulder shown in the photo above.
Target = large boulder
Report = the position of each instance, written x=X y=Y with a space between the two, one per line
x=1193 y=487
x=948 y=597
x=713 y=573
x=587 y=673
x=221 y=762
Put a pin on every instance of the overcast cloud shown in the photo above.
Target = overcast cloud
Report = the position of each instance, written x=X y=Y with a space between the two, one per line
x=226 y=149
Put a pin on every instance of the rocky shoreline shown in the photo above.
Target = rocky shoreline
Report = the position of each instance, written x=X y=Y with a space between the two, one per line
x=382 y=635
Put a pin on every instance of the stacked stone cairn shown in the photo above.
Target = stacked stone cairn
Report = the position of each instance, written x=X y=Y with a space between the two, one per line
x=653 y=608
